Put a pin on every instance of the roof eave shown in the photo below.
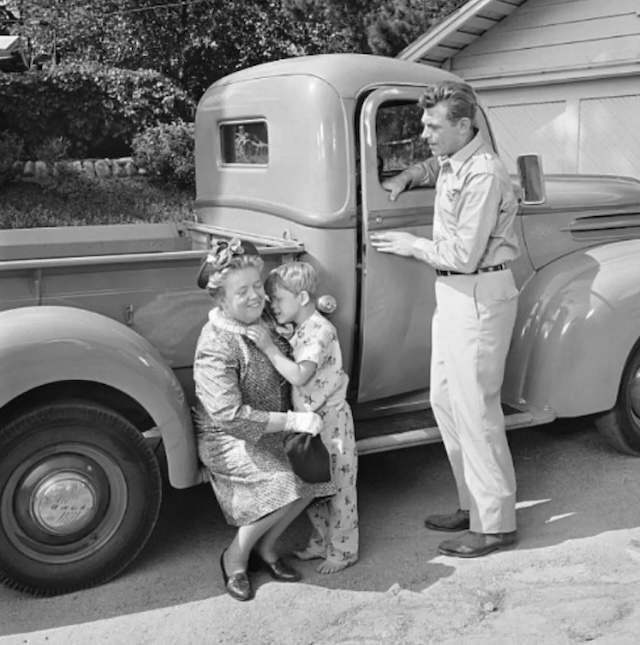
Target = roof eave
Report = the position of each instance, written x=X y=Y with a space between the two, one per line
x=440 y=32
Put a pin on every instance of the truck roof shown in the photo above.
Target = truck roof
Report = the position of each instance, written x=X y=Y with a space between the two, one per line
x=348 y=74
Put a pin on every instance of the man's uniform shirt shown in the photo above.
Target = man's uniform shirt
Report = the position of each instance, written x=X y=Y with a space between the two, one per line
x=475 y=210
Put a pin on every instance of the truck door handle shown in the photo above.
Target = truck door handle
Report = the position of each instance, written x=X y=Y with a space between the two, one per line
x=128 y=315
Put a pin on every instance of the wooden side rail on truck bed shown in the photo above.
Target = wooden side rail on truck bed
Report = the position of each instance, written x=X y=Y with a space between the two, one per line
x=165 y=242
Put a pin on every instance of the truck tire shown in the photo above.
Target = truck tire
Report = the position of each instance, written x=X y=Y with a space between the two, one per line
x=621 y=425
x=80 y=493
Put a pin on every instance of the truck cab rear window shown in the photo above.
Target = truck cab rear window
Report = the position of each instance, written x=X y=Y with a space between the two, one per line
x=245 y=143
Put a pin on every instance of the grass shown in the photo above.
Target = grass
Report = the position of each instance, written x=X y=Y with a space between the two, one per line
x=74 y=199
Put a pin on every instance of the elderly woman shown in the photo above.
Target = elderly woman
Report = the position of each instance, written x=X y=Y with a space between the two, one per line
x=242 y=413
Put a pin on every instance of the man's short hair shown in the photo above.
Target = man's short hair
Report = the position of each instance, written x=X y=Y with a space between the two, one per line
x=294 y=277
x=460 y=98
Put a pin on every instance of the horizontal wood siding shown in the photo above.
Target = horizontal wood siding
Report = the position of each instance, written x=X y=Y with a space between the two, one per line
x=544 y=35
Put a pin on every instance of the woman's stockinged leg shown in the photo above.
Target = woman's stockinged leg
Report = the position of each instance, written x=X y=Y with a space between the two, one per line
x=267 y=547
x=269 y=528
x=236 y=556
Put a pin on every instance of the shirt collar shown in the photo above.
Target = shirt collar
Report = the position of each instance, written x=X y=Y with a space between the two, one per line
x=456 y=160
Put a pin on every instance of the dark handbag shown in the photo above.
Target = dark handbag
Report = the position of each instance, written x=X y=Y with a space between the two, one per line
x=309 y=457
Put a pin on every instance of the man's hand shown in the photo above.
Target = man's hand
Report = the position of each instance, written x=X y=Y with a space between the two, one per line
x=395 y=186
x=260 y=336
x=396 y=242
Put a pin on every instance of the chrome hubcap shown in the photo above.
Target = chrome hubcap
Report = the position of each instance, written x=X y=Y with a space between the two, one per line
x=64 y=503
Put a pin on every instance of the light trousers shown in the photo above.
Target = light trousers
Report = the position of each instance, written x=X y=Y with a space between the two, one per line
x=471 y=333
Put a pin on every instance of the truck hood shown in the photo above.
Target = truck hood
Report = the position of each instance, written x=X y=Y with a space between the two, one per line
x=589 y=194
x=580 y=211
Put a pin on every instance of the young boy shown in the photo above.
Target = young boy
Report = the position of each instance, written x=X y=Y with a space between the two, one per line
x=319 y=385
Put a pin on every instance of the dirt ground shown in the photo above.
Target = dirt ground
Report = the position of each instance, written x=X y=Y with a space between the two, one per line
x=573 y=578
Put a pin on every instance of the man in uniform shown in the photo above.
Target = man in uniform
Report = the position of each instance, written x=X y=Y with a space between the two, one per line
x=473 y=242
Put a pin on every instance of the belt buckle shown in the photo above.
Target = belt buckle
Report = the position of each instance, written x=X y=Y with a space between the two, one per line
x=495 y=267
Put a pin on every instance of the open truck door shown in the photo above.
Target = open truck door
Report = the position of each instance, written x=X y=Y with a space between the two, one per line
x=397 y=293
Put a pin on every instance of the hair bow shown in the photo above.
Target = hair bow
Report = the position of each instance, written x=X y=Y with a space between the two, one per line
x=224 y=252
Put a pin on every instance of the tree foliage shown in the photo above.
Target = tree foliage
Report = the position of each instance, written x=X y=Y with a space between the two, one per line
x=398 y=24
x=195 y=42
x=99 y=109
x=166 y=151
x=383 y=27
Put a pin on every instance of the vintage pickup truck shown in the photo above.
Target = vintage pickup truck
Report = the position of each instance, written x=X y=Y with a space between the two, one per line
x=98 y=325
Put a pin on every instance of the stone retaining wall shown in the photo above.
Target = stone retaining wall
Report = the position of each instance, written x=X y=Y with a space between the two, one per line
x=122 y=167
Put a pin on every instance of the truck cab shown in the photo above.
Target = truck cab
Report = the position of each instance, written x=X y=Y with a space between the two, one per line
x=299 y=149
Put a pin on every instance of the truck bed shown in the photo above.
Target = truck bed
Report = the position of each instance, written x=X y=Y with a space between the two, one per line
x=75 y=265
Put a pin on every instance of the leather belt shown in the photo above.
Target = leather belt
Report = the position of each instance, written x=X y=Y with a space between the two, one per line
x=495 y=267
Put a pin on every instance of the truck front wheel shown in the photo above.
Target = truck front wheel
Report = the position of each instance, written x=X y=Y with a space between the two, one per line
x=621 y=425
x=80 y=493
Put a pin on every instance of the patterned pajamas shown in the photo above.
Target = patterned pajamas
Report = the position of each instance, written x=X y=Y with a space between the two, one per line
x=334 y=519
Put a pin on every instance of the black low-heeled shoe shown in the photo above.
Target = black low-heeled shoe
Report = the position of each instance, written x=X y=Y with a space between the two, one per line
x=238 y=585
x=278 y=570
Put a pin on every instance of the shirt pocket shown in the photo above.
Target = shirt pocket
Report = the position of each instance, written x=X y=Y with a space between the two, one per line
x=452 y=196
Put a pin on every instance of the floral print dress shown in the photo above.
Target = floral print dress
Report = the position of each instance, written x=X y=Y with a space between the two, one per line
x=334 y=520
x=237 y=387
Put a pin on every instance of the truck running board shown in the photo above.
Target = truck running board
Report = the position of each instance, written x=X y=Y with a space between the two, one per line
x=398 y=435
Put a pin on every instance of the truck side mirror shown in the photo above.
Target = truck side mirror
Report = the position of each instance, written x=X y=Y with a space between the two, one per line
x=531 y=179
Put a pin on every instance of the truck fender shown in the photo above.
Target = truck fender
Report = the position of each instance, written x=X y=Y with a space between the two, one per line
x=578 y=321
x=50 y=344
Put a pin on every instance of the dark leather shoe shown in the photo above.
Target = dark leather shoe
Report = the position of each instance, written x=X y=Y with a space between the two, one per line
x=458 y=521
x=238 y=585
x=474 y=545
x=281 y=571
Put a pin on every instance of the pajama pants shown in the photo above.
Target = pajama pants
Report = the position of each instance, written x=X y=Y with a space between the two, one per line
x=334 y=519
x=471 y=334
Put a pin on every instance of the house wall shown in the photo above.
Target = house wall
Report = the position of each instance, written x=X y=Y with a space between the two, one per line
x=562 y=78
x=590 y=126
x=547 y=35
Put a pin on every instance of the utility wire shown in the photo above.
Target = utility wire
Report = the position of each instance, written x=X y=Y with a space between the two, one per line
x=126 y=11
x=153 y=7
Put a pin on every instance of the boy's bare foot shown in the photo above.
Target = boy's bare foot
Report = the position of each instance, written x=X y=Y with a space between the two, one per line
x=307 y=554
x=329 y=566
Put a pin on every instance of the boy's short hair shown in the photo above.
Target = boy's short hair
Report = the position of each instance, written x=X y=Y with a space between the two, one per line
x=294 y=277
